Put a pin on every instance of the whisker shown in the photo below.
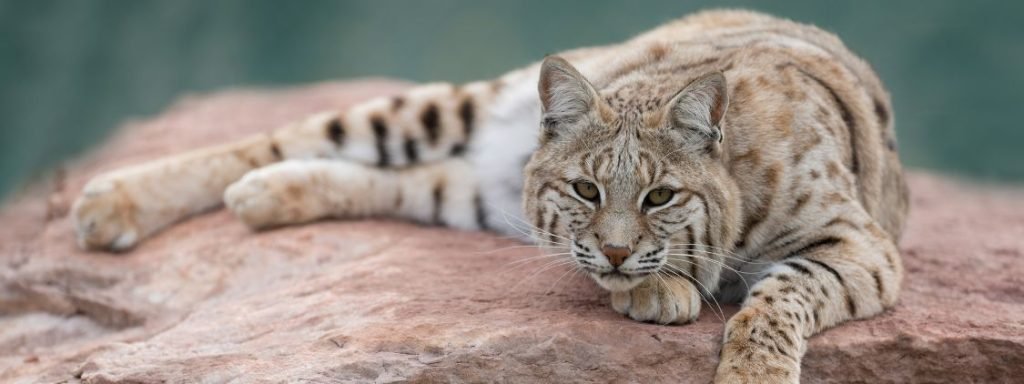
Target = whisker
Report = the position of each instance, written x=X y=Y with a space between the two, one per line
x=552 y=287
x=687 y=247
x=546 y=267
x=532 y=258
x=709 y=246
x=677 y=272
x=518 y=264
x=527 y=234
x=507 y=248
x=676 y=256
x=546 y=264
x=716 y=250
x=743 y=280
x=531 y=226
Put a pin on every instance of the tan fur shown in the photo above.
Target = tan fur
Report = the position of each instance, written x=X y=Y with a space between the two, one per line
x=803 y=199
x=776 y=141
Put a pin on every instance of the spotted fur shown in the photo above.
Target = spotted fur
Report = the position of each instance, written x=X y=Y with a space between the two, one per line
x=775 y=141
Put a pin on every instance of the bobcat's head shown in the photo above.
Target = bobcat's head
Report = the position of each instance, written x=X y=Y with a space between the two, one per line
x=628 y=181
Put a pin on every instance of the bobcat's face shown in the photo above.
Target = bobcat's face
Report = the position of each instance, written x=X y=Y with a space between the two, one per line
x=623 y=205
x=624 y=194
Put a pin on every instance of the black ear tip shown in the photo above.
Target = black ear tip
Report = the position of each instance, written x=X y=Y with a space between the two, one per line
x=554 y=61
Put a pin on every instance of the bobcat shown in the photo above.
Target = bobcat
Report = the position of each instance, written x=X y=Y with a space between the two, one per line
x=728 y=154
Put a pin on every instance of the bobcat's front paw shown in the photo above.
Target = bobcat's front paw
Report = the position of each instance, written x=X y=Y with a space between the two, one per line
x=661 y=300
x=264 y=199
x=734 y=375
x=104 y=218
x=750 y=356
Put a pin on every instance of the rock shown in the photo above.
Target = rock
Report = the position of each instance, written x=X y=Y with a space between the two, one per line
x=380 y=301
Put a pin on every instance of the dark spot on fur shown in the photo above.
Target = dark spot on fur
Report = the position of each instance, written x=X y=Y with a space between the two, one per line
x=458 y=149
x=438 y=197
x=467 y=113
x=336 y=132
x=882 y=113
x=481 y=212
x=412 y=154
x=380 y=135
x=276 y=151
x=431 y=120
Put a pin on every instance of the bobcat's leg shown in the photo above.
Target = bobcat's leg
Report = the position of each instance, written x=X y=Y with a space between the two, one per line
x=848 y=270
x=118 y=208
x=425 y=124
x=299 y=191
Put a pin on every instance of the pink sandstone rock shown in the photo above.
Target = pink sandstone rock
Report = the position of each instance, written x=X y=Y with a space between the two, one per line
x=381 y=301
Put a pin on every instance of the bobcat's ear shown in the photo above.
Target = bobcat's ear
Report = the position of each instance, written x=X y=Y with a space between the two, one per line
x=698 y=109
x=565 y=95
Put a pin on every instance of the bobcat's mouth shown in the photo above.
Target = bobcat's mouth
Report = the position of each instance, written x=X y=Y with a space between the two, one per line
x=617 y=281
x=617 y=274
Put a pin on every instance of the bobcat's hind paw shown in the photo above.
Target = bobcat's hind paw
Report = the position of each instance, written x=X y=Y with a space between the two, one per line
x=267 y=198
x=104 y=218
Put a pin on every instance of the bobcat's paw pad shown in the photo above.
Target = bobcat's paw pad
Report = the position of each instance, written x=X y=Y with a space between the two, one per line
x=673 y=301
x=104 y=218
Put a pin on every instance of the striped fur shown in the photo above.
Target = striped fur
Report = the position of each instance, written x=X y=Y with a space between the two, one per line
x=776 y=142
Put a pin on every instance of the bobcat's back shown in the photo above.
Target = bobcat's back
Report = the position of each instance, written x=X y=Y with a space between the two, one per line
x=792 y=86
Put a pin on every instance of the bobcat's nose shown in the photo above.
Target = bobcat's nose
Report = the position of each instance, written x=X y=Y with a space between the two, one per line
x=616 y=254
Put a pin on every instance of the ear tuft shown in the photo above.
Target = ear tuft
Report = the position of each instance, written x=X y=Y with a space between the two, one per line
x=565 y=94
x=700 y=107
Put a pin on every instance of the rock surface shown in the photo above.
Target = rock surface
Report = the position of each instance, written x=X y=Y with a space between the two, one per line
x=378 y=301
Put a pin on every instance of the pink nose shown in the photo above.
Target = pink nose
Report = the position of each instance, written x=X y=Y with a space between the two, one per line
x=616 y=255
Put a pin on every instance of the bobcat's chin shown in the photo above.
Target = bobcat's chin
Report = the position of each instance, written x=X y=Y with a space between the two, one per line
x=618 y=281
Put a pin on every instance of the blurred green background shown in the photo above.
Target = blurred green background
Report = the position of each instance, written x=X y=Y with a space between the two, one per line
x=71 y=71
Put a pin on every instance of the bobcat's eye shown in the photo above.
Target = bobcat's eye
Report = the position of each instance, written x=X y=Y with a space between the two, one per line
x=586 y=190
x=658 y=197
